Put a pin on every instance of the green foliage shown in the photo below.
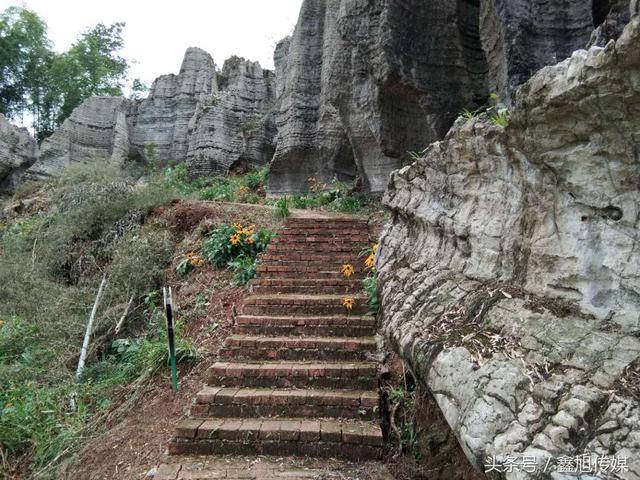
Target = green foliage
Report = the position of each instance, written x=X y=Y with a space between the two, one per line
x=370 y=283
x=282 y=208
x=248 y=188
x=35 y=79
x=415 y=156
x=237 y=247
x=221 y=248
x=245 y=268
x=346 y=205
x=50 y=267
x=497 y=112
x=402 y=404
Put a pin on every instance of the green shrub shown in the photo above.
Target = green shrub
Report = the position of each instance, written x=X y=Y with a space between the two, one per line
x=228 y=242
x=370 y=283
x=245 y=268
x=346 y=205
x=282 y=208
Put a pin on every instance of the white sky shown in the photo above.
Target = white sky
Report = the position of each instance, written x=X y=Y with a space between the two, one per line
x=157 y=33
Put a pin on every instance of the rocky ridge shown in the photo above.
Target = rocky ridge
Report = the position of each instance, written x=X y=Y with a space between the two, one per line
x=210 y=120
x=510 y=273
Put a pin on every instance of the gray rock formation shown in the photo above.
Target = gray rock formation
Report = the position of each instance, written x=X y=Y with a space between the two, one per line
x=521 y=36
x=186 y=117
x=364 y=82
x=510 y=272
x=160 y=122
x=97 y=129
x=18 y=150
x=234 y=128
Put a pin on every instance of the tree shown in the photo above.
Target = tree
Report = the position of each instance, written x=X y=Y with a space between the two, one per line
x=46 y=85
x=25 y=54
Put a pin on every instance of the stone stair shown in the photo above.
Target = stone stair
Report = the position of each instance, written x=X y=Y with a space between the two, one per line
x=295 y=377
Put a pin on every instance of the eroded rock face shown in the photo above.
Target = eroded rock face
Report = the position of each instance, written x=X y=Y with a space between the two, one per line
x=97 y=129
x=510 y=273
x=521 y=36
x=160 y=122
x=18 y=150
x=234 y=128
x=366 y=81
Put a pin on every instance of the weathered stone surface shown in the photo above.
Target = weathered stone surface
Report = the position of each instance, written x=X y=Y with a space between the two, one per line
x=610 y=17
x=521 y=36
x=510 y=273
x=234 y=128
x=97 y=129
x=365 y=81
x=18 y=150
x=160 y=122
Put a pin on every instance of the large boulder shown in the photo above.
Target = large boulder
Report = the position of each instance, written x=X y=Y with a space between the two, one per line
x=509 y=274
x=18 y=151
x=234 y=128
x=96 y=130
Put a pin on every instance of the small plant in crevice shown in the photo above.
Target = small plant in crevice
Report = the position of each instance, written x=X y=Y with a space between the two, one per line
x=498 y=112
x=402 y=420
x=415 y=156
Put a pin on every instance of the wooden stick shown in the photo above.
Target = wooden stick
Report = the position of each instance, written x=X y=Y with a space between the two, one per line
x=87 y=333
x=124 y=315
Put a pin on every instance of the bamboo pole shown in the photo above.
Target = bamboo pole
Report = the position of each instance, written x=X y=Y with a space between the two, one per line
x=87 y=333
x=124 y=316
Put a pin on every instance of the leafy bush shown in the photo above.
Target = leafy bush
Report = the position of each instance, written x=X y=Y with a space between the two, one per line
x=245 y=268
x=346 y=205
x=370 y=283
x=282 y=208
x=237 y=247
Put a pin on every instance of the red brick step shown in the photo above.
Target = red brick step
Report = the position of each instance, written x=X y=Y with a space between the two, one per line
x=319 y=438
x=334 y=375
x=290 y=305
x=337 y=325
x=297 y=348
x=273 y=402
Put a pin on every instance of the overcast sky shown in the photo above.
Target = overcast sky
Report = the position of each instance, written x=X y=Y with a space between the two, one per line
x=158 y=32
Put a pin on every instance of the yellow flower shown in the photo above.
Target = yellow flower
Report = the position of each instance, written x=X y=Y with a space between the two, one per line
x=347 y=270
x=1 y=322
x=348 y=303
x=371 y=260
x=238 y=227
x=248 y=230
x=234 y=239
x=375 y=247
x=249 y=240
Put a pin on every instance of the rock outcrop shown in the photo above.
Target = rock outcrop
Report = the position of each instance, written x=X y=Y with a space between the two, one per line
x=211 y=120
x=510 y=272
x=18 y=151
x=97 y=129
x=364 y=82
x=160 y=122
x=234 y=128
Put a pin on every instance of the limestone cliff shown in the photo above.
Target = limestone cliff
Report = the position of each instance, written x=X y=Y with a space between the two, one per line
x=213 y=120
x=510 y=272
x=364 y=82
x=160 y=122
x=18 y=150
x=234 y=128
x=97 y=129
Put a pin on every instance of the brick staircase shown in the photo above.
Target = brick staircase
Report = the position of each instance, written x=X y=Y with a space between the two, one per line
x=295 y=378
